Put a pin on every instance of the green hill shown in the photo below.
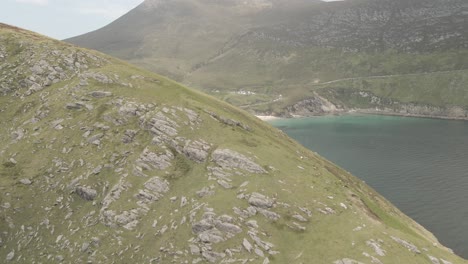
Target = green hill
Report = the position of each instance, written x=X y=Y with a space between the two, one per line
x=102 y=162
x=277 y=56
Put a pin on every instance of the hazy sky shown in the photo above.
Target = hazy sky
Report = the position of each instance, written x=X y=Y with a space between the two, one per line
x=63 y=18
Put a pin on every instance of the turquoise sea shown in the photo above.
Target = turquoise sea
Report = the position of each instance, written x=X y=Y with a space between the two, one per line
x=420 y=165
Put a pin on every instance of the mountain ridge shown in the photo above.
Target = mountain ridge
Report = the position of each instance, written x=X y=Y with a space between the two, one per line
x=288 y=49
x=104 y=162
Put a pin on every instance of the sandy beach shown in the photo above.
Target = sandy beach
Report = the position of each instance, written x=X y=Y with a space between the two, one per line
x=266 y=118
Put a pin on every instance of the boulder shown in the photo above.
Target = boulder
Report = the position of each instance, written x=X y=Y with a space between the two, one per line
x=228 y=228
x=202 y=226
x=260 y=200
x=100 y=94
x=86 y=193
x=194 y=250
x=10 y=256
x=156 y=185
x=25 y=181
x=246 y=244
x=74 y=106
x=299 y=218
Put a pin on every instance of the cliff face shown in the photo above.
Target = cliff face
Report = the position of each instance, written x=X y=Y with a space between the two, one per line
x=375 y=26
x=103 y=162
x=250 y=53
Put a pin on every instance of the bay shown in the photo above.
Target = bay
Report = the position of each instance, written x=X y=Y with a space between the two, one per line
x=420 y=165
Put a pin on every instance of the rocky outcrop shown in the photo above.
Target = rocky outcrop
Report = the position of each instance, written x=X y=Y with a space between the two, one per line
x=316 y=105
x=149 y=160
x=372 y=104
x=196 y=150
x=230 y=159
x=411 y=247
x=260 y=200
x=229 y=122
x=86 y=193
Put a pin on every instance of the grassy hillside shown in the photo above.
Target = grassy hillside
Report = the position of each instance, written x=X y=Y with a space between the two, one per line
x=102 y=162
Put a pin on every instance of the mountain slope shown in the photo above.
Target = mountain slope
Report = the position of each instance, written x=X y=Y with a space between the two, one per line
x=268 y=55
x=102 y=162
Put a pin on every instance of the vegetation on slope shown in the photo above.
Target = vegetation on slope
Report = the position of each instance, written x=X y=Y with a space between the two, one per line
x=271 y=48
x=103 y=162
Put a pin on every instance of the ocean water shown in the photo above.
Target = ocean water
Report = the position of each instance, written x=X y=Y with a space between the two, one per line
x=420 y=165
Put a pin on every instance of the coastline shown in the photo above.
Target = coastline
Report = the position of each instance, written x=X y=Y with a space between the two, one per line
x=267 y=117
x=361 y=111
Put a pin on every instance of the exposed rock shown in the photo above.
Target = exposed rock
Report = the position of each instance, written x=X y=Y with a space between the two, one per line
x=129 y=109
x=259 y=252
x=25 y=181
x=297 y=227
x=434 y=260
x=247 y=245
x=260 y=200
x=205 y=191
x=211 y=236
x=129 y=136
x=74 y=106
x=157 y=186
x=10 y=256
x=225 y=184
x=196 y=150
x=226 y=218
x=128 y=219
x=17 y=134
x=374 y=260
x=315 y=105
x=150 y=160
x=194 y=250
x=299 y=217
x=202 y=226
x=228 y=228
x=227 y=158
x=84 y=247
x=96 y=139
x=219 y=173
x=97 y=170
x=100 y=94
x=229 y=122
x=86 y=193
x=407 y=245
x=34 y=89
x=183 y=201
x=376 y=247
x=252 y=224
x=102 y=78
x=159 y=124
x=259 y=242
x=213 y=257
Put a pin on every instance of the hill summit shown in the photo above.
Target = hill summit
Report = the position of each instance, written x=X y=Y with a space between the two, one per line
x=102 y=162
